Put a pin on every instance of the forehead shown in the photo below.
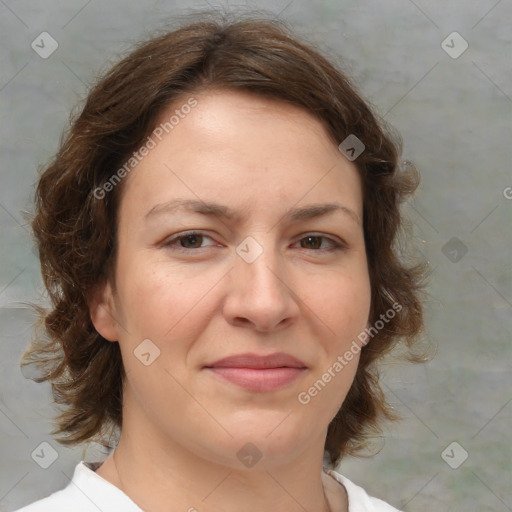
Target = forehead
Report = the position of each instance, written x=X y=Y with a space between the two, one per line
x=243 y=146
x=225 y=112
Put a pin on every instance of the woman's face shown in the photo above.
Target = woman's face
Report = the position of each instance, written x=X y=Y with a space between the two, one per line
x=264 y=272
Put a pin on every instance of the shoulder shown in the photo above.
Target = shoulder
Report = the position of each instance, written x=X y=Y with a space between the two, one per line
x=56 y=502
x=358 y=499
x=86 y=492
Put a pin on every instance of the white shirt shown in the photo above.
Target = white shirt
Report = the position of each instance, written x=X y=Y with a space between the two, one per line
x=89 y=492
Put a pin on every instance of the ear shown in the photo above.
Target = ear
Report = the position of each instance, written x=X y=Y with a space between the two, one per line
x=103 y=312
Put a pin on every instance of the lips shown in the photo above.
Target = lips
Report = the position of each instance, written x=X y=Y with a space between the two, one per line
x=257 y=373
x=277 y=360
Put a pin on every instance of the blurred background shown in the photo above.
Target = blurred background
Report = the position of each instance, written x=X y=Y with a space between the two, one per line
x=439 y=72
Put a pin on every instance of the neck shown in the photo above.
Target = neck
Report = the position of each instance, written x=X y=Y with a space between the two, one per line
x=154 y=470
x=215 y=488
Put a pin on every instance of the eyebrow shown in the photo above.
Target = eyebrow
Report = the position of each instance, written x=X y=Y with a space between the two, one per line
x=212 y=209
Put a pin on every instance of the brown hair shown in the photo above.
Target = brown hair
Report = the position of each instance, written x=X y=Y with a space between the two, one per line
x=76 y=231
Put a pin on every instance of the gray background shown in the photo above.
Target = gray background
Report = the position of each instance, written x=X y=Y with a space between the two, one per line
x=454 y=115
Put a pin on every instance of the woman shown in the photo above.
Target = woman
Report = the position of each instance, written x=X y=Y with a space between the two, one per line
x=217 y=235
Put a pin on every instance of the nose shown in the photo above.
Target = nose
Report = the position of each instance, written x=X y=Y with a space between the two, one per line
x=261 y=293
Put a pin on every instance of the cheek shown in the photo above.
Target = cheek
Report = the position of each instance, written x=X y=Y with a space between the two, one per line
x=344 y=304
x=157 y=295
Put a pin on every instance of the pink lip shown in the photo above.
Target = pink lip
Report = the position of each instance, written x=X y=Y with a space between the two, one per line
x=258 y=373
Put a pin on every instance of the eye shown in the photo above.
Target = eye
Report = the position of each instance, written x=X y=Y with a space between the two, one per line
x=194 y=240
x=186 y=241
x=314 y=241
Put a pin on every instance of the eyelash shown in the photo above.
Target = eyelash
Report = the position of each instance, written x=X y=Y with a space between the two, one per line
x=170 y=243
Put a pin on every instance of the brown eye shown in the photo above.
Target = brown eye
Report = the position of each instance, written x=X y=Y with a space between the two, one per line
x=194 y=240
x=315 y=242
x=312 y=242
x=187 y=241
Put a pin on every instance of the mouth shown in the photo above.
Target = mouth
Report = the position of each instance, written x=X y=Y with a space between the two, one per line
x=258 y=373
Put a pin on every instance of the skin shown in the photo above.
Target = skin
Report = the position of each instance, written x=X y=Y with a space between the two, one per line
x=183 y=425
